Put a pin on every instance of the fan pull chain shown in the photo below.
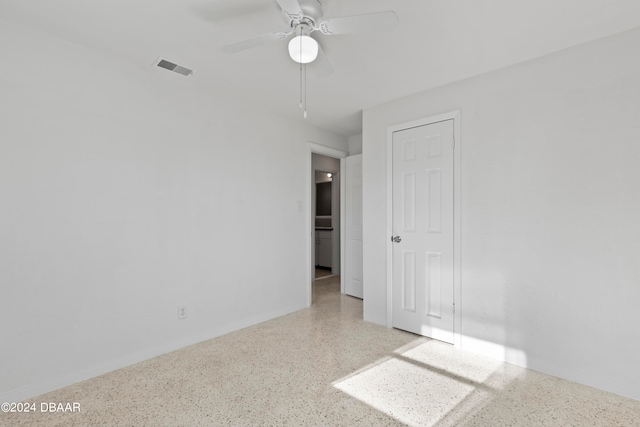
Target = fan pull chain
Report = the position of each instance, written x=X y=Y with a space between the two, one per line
x=305 y=91
x=301 y=85
x=303 y=81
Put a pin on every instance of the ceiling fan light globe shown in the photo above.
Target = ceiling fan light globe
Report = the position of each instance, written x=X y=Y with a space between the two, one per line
x=303 y=49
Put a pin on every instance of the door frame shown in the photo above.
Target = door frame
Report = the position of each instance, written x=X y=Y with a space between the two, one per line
x=457 y=235
x=337 y=154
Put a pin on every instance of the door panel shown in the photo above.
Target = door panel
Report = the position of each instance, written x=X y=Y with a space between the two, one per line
x=409 y=281
x=423 y=218
x=434 y=285
x=409 y=201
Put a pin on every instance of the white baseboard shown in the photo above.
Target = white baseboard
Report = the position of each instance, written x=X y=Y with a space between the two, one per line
x=600 y=382
x=51 y=384
x=519 y=358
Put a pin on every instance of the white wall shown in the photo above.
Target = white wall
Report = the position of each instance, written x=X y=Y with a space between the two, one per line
x=550 y=207
x=126 y=192
x=355 y=144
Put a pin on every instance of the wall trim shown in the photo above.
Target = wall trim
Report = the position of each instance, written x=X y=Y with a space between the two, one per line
x=326 y=151
x=55 y=383
x=343 y=221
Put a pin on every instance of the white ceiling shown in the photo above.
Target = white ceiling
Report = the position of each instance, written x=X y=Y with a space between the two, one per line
x=437 y=42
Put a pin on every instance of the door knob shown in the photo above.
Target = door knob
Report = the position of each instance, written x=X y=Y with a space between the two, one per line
x=396 y=239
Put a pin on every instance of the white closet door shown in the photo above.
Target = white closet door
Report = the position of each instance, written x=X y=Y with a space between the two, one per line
x=423 y=229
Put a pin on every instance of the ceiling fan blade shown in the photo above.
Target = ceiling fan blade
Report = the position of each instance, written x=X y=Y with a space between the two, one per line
x=291 y=8
x=321 y=66
x=371 y=22
x=255 y=41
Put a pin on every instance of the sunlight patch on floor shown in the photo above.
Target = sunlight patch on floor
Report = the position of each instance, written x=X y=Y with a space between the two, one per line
x=461 y=364
x=421 y=384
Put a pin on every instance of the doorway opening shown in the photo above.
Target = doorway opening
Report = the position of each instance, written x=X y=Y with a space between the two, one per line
x=325 y=213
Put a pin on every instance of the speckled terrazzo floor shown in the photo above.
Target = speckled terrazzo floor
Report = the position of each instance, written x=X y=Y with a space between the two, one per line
x=325 y=366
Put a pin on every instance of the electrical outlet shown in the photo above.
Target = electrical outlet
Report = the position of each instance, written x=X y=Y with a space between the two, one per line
x=182 y=312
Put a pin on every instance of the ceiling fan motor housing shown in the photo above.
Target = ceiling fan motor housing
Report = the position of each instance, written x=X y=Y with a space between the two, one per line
x=312 y=13
x=304 y=28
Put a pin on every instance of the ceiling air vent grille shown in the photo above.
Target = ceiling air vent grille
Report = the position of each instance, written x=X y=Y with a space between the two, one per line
x=163 y=63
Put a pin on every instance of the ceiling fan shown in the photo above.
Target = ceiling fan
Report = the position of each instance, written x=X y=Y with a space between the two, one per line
x=305 y=17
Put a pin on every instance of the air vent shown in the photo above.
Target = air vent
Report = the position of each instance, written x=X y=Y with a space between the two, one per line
x=163 y=63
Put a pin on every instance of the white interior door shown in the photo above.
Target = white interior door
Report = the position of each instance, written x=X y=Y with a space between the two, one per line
x=353 y=200
x=423 y=300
